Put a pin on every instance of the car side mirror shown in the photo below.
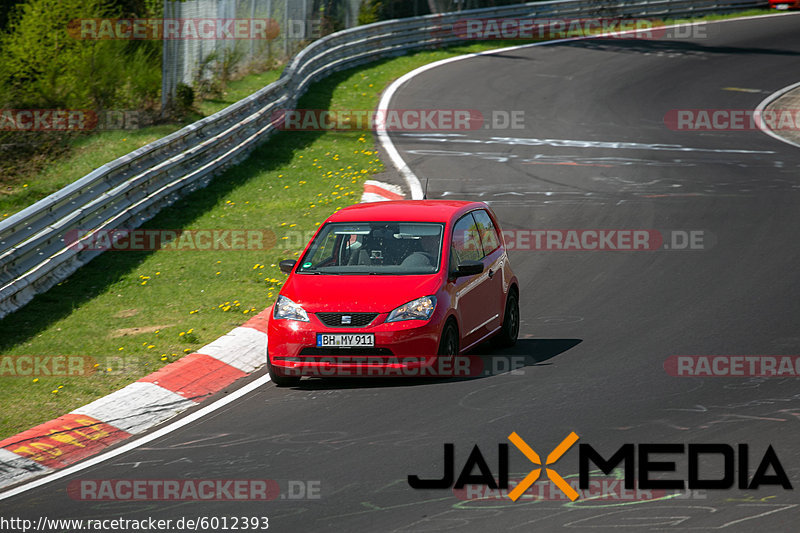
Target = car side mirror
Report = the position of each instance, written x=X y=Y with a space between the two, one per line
x=469 y=268
x=287 y=265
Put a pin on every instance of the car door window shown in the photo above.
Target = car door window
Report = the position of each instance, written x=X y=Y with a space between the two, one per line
x=490 y=240
x=466 y=242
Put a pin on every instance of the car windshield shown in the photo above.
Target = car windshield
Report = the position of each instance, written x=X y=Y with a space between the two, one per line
x=398 y=248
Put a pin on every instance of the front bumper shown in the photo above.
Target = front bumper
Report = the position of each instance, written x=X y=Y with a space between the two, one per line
x=401 y=348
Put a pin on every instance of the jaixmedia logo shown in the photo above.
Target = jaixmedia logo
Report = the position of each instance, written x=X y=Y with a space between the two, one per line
x=641 y=470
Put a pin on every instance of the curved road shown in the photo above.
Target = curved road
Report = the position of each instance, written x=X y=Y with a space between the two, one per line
x=598 y=326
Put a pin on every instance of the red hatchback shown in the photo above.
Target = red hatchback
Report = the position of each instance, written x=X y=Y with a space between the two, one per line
x=784 y=4
x=393 y=286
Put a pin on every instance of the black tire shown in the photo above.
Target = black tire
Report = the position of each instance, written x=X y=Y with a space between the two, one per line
x=448 y=345
x=281 y=381
x=510 y=329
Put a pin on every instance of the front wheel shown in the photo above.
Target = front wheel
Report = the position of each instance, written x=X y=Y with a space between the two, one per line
x=510 y=329
x=449 y=343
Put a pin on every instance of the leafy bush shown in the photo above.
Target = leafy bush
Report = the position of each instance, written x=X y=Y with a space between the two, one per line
x=43 y=66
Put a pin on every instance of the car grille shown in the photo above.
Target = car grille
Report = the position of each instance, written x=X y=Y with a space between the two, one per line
x=357 y=320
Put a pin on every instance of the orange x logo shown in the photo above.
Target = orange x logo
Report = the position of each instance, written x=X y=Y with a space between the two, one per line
x=554 y=456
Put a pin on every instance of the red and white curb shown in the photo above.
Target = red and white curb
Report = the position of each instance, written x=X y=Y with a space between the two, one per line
x=90 y=429
x=151 y=400
x=376 y=191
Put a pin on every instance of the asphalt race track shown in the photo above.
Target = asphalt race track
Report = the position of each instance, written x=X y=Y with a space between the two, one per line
x=597 y=326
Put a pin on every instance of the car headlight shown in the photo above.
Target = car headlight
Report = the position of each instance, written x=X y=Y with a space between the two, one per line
x=288 y=310
x=419 y=309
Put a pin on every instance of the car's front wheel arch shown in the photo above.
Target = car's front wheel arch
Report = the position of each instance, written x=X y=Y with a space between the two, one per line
x=449 y=341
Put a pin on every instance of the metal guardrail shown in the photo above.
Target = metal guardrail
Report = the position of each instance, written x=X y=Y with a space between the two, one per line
x=34 y=252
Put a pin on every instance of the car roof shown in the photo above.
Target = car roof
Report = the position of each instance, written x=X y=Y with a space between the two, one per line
x=405 y=211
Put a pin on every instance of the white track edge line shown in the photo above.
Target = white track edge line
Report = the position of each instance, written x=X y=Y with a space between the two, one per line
x=763 y=105
x=58 y=474
x=412 y=180
x=414 y=185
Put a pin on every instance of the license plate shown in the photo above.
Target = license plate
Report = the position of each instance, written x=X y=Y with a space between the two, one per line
x=782 y=6
x=345 y=340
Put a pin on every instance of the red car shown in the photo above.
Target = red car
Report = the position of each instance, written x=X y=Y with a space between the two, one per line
x=393 y=286
x=784 y=4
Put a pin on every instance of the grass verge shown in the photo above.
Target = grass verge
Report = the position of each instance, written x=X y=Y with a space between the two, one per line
x=83 y=153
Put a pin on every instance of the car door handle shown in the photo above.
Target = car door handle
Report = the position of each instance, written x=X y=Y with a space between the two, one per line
x=491 y=273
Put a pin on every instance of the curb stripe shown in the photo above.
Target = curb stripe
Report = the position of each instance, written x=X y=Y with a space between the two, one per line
x=389 y=195
x=377 y=191
x=195 y=377
x=15 y=468
x=63 y=441
x=242 y=348
x=137 y=407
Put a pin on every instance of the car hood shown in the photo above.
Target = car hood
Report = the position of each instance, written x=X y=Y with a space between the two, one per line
x=357 y=294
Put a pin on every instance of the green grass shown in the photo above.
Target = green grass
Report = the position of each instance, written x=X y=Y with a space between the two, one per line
x=84 y=153
x=182 y=300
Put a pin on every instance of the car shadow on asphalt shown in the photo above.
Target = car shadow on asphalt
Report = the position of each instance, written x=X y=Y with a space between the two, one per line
x=484 y=361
